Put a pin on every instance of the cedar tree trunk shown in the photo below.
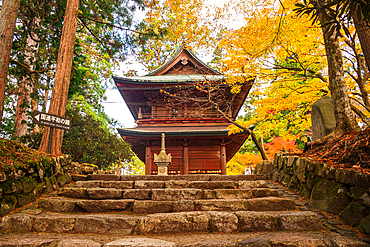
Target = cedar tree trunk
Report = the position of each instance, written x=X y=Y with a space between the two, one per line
x=8 y=17
x=342 y=109
x=62 y=77
x=24 y=102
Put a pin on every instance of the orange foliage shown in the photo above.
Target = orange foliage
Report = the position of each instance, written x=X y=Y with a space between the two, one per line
x=278 y=144
x=240 y=161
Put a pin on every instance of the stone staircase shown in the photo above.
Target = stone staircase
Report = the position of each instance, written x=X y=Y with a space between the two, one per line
x=127 y=206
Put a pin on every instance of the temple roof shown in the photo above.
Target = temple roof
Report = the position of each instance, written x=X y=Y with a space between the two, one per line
x=174 y=131
x=183 y=58
x=172 y=79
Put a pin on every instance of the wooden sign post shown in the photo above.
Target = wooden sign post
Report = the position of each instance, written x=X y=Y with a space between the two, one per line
x=52 y=121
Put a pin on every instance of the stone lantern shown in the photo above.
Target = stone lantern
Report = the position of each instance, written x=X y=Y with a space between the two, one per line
x=162 y=160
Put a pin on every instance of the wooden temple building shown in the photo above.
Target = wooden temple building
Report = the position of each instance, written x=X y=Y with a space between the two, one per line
x=198 y=143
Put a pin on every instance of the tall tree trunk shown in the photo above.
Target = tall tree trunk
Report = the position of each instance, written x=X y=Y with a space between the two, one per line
x=342 y=109
x=8 y=17
x=62 y=77
x=24 y=103
x=363 y=32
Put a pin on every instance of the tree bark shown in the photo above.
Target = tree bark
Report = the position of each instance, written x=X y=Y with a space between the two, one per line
x=62 y=77
x=250 y=132
x=363 y=32
x=8 y=17
x=342 y=109
x=24 y=103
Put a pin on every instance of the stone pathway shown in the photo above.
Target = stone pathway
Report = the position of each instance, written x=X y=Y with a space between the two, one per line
x=96 y=195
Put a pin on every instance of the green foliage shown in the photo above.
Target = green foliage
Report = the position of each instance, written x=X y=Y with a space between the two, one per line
x=14 y=155
x=89 y=141
x=102 y=38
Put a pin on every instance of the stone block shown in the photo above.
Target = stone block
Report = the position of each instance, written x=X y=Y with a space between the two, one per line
x=29 y=242
x=330 y=196
x=363 y=180
x=322 y=117
x=269 y=204
x=17 y=223
x=249 y=221
x=175 y=223
x=176 y=194
x=364 y=226
x=252 y=184
x=152 y=207
x=144 y=184
x=291 y=161
x=143 y=194
x=220 y=205
x=87 y=184
x=104 y=224
x=310 y=165
x=117 y=184
x=209 y=194
x=300 y=168
x=233 y=193
x=211 y=185
x=262 y=192
x=78 y=243
x=299 y=221
x=8 y=205
x=102 y=193
x=177 y=184
x=50 y=223
x=104 y=177
x=29 y=183
x=223 y=222
x=305 y=192
x=25 y=199
x=57 y=204
x=96 y=206
x=346 y=176
x=140 y=242
x=73 y=192
x=182 y=206
x=353 y=213
x=293 y=183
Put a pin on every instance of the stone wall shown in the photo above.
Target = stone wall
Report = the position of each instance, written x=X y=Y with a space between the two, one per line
x=342 y=192
x=21 y=186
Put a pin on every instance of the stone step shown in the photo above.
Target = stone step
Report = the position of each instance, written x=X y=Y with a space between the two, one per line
x=267 y=239
x=59 y=204
x=164 y=194
x=206 y=177
x=163 y=223
x=171 y=184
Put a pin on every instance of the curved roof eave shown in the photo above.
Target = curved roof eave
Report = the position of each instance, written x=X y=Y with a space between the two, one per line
x=175 y=55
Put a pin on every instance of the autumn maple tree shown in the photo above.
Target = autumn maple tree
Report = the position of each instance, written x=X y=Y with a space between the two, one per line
x=170 y=24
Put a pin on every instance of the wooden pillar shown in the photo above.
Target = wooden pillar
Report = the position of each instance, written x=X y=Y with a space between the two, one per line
x=148 y=159
x=223 y=158
x=154 y=111
x=185 y=158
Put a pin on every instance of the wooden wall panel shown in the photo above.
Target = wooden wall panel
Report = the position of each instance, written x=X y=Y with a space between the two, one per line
x=205 y=152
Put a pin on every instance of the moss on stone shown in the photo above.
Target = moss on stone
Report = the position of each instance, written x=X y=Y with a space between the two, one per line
x=330 y=196
x=25 y=199
x=364 y=226
x=353 y=213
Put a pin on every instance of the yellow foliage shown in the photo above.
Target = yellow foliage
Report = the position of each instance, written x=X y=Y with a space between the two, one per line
x=286 y=55
x=239 y=162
